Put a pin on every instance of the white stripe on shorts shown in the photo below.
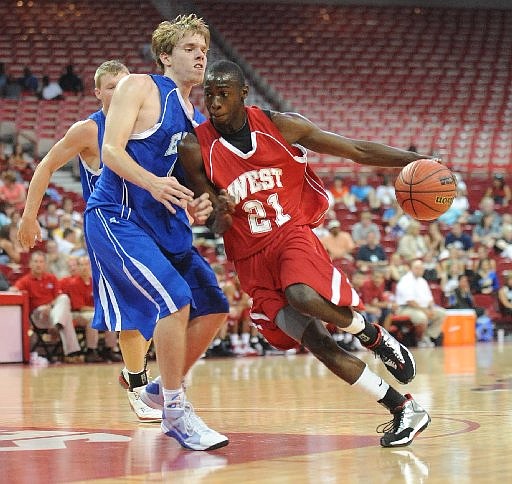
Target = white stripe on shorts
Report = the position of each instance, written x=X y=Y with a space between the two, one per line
x=142 y=268
x=336 y=286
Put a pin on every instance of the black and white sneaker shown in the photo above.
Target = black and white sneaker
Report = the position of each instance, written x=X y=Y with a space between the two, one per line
x=409 y=419
x=397 y=358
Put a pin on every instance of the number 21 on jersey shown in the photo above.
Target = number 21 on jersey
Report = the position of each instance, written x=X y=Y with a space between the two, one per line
x=257 y=215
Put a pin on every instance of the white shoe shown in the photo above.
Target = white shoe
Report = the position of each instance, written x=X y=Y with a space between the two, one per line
x=144 y=412
x=152 y=394
x=189 y=430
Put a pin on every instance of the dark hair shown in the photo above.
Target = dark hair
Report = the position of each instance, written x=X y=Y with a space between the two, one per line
x=229 y=68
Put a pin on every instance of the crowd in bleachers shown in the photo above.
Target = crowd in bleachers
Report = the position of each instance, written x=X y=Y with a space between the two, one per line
x=369 y=86
x=366 y=233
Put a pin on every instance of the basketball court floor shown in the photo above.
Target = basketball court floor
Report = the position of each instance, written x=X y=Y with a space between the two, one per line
x=288 y=419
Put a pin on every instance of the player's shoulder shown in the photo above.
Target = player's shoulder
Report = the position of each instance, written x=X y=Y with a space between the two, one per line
x=84 y=130
x=135 y=81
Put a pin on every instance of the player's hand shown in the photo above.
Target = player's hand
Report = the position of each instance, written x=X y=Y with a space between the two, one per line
x=169 y=191
x=225 y=202
x=29 y=232
x=200 y=208
x=222 y=219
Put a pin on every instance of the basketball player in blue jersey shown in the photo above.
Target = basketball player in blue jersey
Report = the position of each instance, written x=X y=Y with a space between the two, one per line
x=84 y=139
x=152 y=278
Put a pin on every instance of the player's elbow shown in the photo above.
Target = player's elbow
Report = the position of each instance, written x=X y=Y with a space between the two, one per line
x=108 y=153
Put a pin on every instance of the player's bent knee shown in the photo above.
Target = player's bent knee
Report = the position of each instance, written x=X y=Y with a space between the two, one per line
x=301 y=297
x=292 y=322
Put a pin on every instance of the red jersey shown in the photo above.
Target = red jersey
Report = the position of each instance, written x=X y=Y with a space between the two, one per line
x=272 y=185
x=40 y=291
x=79 y=292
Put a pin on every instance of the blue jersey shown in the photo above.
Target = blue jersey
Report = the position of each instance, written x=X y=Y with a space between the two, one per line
x=89 y=177
x=156 y=150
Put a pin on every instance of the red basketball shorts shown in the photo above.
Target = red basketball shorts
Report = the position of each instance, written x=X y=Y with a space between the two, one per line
x=294 y=256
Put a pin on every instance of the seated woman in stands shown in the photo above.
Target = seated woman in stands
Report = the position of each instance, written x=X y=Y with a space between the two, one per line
x=499 y=191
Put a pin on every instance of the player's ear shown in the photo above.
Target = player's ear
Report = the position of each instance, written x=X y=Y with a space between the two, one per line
x=245 y=92
x=97 y=93
x=165 y=59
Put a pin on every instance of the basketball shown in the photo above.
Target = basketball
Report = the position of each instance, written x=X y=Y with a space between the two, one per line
x=425 y=189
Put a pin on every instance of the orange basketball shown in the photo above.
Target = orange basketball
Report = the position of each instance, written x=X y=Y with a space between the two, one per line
x=425 y=189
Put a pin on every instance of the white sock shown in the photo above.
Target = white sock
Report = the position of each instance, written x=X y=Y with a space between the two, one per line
x=357 y=324
x=245 y=339
x=173 y=400
x=235 y=339
x=371 y=384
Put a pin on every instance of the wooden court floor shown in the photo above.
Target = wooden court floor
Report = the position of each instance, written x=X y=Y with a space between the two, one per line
x=288 y=419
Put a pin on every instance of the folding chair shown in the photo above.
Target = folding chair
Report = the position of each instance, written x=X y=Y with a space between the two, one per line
x=44 y=344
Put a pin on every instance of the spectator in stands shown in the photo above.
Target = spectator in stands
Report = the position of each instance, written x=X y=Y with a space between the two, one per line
x=365 y=225
x=56 y=262
x=12 y=88
x=79 y=289
x=459 y=209
x=462 y=298
x=239 y=323
x=484 y=231
x=364 y=192
x=488 y=282
x=3 y=79
x=373 y=293
x=432 y=268
x=499 y=191
x=12 y=191
x=395 y=270
x=21 y=162
x=385 y=192
x=341 y=194
x=50 y=90
x=10 y=253
x=449 y=281
x=69 y=208
x=396 y=220
x=49 y=307
x=5 y=211
x=486 y=207
x=503 y=244
x=457 y=237
x=68 y=243
x=434 y=239
x=371 y=254
x=415 y=300
x=49 y=220
x=66 y=222
x=70 y=82
x=412 y=245
x=28 y=81
x=338 y=243
x=505 y=296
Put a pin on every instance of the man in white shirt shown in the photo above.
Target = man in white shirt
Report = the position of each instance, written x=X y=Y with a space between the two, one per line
x=51 y=90
x=414 y=298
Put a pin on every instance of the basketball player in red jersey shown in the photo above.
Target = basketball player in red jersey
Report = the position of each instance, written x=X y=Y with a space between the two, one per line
x=266 y=201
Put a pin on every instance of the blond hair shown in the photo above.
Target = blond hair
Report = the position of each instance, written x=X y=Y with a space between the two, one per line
x=112 y=67
x=168 y=34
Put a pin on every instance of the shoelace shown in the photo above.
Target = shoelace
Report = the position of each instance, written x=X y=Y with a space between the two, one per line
x=193 y=423
x=392 y=425
x=392 y=349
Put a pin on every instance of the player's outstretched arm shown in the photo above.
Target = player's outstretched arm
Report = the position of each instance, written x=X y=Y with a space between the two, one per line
x=298 y=129
x=127 y=107
x=190 y=158
x=78 y=138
